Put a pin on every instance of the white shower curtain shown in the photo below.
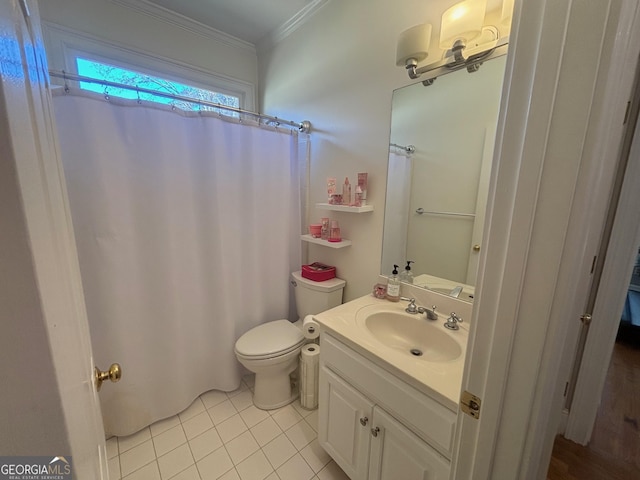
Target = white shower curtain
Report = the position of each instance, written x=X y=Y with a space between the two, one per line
x=187 y=228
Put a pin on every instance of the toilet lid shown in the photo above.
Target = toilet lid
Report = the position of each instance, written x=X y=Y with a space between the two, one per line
x=269 y=338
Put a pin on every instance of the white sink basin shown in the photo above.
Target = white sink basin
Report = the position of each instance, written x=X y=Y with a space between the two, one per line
x=414 y=335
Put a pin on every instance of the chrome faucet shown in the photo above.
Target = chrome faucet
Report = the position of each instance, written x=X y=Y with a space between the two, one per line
x=431 y=314
x=413 y=309
x=455 y=293
x=453 y=321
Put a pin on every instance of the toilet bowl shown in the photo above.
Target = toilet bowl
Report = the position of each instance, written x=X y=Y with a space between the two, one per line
x=272 y=350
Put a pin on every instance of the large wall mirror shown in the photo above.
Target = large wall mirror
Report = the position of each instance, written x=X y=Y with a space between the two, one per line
x=441 y=149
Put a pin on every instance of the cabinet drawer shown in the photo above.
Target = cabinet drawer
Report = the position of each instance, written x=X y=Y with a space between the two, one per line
x=424 y=416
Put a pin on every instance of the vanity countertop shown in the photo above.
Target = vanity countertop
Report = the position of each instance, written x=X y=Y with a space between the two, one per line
x=440 y=380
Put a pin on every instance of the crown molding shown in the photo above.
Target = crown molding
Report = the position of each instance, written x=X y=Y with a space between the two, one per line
x=292 y=24
x=186 y=23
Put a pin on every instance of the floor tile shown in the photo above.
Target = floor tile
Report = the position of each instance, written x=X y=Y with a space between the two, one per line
x=112 y=447
x=130 y=441
x=231 y=475
x=241 y=447
x=214 y=465
x=192 y=410
x=164 y=425
x=315 y=456
x=279 y=450
x=240 y=389
x=312 y=420
x=286 y=417
x=190 y=473
x=300 y=409
x=204 y=444
x=255 y=467
x=266 y=431
x=213 y=397
x=175 y=461
x=137 y=457
x=222 y=411
x=231 y=428
x=332 y=472
x=273 y=476
x=252 y=415
x=114 y=468
x=301 y=434
x=197 y=425
x=243 y=400
x=168 y=440
x=148 y=472
x=295 y=469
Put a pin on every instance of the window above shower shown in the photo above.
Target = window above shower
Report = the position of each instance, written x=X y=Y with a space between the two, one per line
x=79 y=53
x=118 y=74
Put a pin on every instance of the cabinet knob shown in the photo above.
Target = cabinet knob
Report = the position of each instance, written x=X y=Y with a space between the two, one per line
x=375 y=431
x=364 y=421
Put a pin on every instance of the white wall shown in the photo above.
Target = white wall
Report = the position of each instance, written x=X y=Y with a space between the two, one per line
x=157 y=35
x=338 y=71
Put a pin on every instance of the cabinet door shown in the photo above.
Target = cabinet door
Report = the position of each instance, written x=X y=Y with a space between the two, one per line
x=396 y=453
x=344 y=418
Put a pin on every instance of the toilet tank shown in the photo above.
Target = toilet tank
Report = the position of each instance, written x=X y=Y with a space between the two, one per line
x=315 y=297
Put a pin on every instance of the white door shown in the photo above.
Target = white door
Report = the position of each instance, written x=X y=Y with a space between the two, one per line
x=570 y=72
x=396 y=453
x=344 y=420
x=33 y=150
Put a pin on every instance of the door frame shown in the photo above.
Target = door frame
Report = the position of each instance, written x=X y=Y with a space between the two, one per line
x=621 y=253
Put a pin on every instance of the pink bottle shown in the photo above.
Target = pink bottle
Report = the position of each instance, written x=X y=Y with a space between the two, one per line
x=334 y=234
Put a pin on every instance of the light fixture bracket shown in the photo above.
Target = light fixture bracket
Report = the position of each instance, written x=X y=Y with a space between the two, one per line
x=460 y=56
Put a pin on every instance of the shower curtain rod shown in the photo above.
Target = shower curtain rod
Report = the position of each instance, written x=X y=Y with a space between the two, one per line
x=303 y=127
x=409 y=149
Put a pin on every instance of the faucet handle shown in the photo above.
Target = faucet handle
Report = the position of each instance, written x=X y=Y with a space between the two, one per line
x=412 y=308
x=453 y=321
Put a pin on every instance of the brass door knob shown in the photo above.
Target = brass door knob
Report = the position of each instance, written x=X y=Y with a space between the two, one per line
x=476 y=248
x=114 y=374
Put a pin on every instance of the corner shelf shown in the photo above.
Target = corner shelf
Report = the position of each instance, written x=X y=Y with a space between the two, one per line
x=345 y=208
x=326 y=243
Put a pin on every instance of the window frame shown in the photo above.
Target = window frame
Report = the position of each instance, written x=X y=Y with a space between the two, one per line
x=65 y=46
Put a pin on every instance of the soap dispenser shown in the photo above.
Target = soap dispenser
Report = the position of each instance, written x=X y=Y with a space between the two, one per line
x=407 y=276
x=393 y=286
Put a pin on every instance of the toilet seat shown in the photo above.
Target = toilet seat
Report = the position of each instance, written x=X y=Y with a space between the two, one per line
x=271 y=339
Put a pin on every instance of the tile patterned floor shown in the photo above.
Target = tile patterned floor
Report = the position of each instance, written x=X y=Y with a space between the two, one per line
x=224 y=436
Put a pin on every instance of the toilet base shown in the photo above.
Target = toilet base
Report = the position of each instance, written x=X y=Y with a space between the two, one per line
x=273 y=391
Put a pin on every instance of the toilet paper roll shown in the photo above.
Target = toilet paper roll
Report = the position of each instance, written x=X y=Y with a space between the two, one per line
x=311 y=353
x=309 y=371
x=310 y=328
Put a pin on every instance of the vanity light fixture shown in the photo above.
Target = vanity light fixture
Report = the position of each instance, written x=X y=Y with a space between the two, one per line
x=460 y=24
x=413 y=46
x=463 y=37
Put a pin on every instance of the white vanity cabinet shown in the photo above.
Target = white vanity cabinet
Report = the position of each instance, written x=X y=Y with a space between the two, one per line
x=366 y=418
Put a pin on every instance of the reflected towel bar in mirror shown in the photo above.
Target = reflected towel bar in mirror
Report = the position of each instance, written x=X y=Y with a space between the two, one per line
x=422 y=211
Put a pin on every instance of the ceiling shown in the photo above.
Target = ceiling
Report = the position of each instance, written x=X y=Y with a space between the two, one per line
x=248 y=20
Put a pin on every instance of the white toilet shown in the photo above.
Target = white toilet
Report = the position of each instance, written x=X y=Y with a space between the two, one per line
x=272 y=350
